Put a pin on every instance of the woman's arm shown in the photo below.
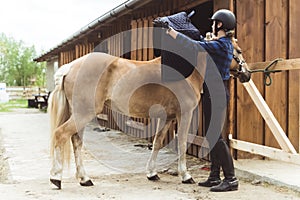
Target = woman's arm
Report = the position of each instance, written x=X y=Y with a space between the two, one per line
x=186 y=42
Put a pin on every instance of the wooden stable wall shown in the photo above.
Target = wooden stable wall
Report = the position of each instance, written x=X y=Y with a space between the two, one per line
x=266 y=31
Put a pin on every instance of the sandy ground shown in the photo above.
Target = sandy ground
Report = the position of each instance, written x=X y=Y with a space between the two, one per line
x=115 y=162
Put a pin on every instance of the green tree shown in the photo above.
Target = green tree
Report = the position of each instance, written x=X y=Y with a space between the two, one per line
x=17 y=67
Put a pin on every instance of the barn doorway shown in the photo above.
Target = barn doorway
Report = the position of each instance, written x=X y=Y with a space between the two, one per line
x=201 y=17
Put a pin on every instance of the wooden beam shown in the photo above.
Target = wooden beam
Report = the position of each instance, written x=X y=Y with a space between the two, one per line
x=197 y=140
x=135 y=124
x=290 y=64
x=269 y=152
x=270 y=119
x=103 y=117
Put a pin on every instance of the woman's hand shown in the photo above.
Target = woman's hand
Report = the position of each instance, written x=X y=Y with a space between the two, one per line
x=160 y=23
x=210 y=36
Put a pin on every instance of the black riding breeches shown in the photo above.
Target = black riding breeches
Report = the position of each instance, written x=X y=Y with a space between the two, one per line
x=219 y=154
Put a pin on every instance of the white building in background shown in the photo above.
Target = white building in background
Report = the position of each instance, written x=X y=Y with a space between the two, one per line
x=4 y=97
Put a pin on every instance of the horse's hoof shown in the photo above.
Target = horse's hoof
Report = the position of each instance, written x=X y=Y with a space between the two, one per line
x=153 y=178
x=189 y=181
x=57 y=183
x=87 y=183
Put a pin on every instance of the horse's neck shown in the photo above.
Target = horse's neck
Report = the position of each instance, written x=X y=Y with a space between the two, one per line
x=196 y=80
x=235 y=44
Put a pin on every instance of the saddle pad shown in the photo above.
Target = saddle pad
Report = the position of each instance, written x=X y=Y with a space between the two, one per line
x=177 y=62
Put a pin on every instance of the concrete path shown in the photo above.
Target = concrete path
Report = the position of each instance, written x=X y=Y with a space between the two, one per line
x=271 y=171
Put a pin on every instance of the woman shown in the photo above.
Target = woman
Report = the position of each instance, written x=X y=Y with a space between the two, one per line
x=220 y=50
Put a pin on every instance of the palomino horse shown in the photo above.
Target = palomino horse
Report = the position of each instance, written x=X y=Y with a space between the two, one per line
x=86 y=84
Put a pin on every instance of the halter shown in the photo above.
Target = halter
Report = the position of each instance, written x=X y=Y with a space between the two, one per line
x=266 y=71
x=242 y=73
x=240 y=62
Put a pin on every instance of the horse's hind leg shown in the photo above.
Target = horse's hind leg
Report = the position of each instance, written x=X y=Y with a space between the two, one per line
x=61 y=150
x=80 y=172
x=157 y=145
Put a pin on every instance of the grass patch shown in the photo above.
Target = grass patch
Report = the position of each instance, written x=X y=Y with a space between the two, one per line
x=12 y=104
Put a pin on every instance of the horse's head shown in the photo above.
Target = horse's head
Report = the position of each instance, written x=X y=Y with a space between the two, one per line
x=239 y=68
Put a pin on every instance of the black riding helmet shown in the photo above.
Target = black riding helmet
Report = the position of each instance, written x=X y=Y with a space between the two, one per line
x=226 y=17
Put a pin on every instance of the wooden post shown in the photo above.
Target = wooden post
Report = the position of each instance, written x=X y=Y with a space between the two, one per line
x=267 y=114
x=133 y=40
x=145 y=39
x=294 y=77
x=140 y=39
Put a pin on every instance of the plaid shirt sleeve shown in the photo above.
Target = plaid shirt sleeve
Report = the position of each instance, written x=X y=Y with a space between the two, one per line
x=221 y=51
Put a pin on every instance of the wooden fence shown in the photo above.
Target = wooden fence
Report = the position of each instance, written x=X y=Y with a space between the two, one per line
x=24 y=93
x=146 y=128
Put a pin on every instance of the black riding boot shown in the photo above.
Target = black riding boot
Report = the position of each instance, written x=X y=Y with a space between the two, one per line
x=230 y=182
x=214 y=176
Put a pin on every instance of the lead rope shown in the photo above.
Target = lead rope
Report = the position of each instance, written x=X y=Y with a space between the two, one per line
x=267 y=72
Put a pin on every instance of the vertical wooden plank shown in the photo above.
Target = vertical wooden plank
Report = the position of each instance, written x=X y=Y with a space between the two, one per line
x=83 y=49
x=64 y=57
x=140 y=40
x=133 y=39
x=69 y=55
x=117 y=45
x=200 y=131
x=276 y=47
x=294 y=76
x=250 y=34
x=76 y=51
x=145 y=38
x=219 y=4
x=112 y=45
x=150 y=39
x=231 y=109
x=121 y=44
x=60 y=59
x=80 y=50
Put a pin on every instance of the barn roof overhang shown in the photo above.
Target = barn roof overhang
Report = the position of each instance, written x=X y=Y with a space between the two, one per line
x=104 y=23
x=104 y=20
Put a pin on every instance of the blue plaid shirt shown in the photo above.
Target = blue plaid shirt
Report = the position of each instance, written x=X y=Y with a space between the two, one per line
x=221 y=51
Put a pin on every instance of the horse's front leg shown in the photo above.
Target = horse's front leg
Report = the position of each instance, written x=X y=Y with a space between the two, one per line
x=161 y=132
x=80 y=172
x=184 y=124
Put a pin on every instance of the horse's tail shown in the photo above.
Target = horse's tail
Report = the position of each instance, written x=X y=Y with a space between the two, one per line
x=58 y=109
